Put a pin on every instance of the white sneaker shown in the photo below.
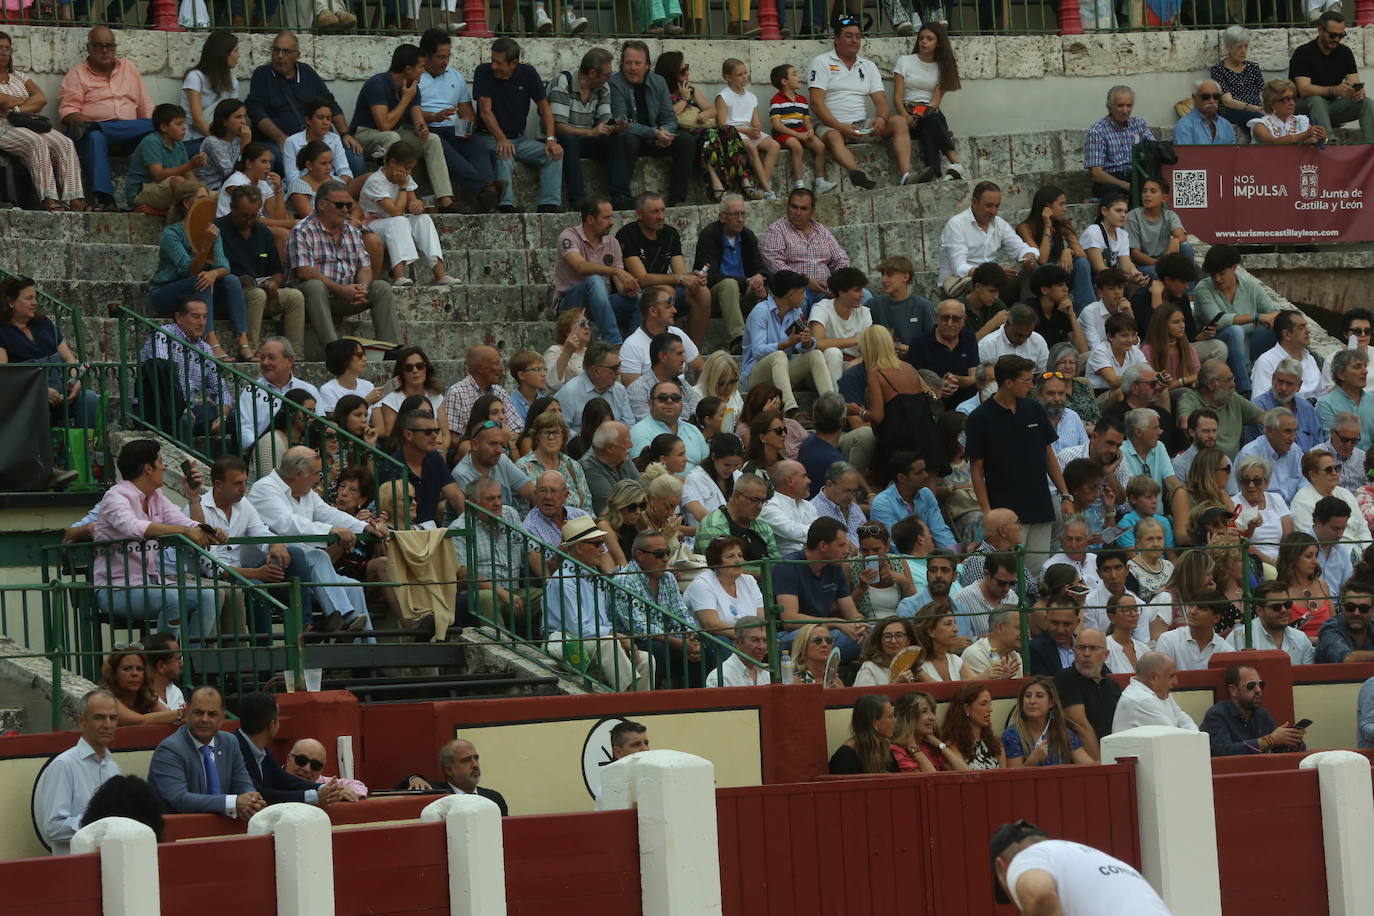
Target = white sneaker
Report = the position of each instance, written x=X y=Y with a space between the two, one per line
x=770 y=195
x=798 y=184
x=822 y=186
x=447 y=280
x=955 y=171
x=455 y=27
x=574 y=25
x=542 y=23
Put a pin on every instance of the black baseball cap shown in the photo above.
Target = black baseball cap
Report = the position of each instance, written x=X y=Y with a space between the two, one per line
x=1004 y=836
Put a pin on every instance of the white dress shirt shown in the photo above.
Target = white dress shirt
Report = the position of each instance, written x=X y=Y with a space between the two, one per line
x=283 y=513
x=1117 y=662
x=790 y=518
x=964 y=244
x=257 y=407
x=64 y=790
x=1295 y=643
x=734 y=672
x=1305 y=500
x=997 y=345
x=243 y=523
x=1262 y=375
x=1139 y=706
x=1188 y=654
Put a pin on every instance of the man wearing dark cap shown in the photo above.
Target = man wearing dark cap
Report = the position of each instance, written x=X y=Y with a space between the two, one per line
x=1041 y=875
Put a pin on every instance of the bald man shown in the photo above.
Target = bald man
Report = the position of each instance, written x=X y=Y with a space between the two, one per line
x=105 y=108
x=789 y=510
x=1088 y=695
x=308 y=760
x=486 y=371
x=1001 y=532
x=461 y=766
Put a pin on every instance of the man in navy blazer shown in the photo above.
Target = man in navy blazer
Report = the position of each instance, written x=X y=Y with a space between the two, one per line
x=462 y=769
x=258 y=724
x=199 y=769
x=1052 y=651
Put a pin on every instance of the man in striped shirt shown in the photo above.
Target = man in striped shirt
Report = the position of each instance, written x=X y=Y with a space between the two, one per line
x=581 y=106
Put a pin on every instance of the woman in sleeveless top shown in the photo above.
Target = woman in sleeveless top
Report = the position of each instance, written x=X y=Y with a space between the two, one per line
x=899 y=403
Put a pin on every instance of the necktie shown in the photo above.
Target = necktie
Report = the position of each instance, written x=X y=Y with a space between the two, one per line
x=207 y=757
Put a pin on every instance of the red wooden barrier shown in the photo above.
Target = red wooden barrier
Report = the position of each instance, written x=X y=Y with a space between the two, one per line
x=391 y=870
x=367 y=811
x=1269 y=843
x=909 y=844
x=61 y=886
x=218 y=878
x=573 y=864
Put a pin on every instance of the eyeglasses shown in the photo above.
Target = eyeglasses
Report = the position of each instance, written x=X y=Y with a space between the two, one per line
x=123 y=646
x=870 y=531
x=821 y=640
x=1224 y=468
x=615 y=368
x=657 y=554
x=278 y=49
x=894 y=637
x=1003 y=583
x=949 y=318
x=755 y=500
x=1209 y=96
x=668 y=398
x=776 y=429
x=1348 y=440
x=1252 y=481
x=1356 y=607
x=304 y=761
x=1329 y=469
x=102 y=45
x=1045 y=376
x=1360 y=332
x=415 y=367
x=341 y=206
x=532 y=369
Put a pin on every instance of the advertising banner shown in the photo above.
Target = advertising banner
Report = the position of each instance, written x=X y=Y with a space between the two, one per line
x=1258 y=195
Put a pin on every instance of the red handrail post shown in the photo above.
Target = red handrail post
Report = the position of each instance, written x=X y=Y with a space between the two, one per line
x=475 y=12
x=768 y=20
x=1364 y=12
x=165 y=16
x=1071 y=23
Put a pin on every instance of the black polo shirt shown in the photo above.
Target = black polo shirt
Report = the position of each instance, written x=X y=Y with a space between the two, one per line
x=927 y=352
x=656 y=253
x=1012 y=447
x=1322 y=69
x=1098 y=698
x=255 y=256
x=427 y=488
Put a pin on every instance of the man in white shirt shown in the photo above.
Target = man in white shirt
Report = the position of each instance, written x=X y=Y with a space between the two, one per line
x=287 y=504
x=1294 y=335
x=1270 y=628
x=68 y=782
x=751 y=638
x=657 y=309
x=1017 y=335
x=163 y=653
x=997 y=654
x=1070 y=879
x=976 y=236
x=1147 y=699
x=1191 y=646
x=841 y=84
x=276 y=360
x=789 y=510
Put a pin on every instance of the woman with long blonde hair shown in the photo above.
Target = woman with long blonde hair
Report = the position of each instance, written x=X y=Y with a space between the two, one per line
x=1206 y=483
x=720 y=379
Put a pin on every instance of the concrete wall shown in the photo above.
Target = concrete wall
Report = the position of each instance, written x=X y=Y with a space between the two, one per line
x=1013 y=83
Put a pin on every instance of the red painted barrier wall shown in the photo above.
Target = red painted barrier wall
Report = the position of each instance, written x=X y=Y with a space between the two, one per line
x=391 y=870
x=367 y=811
x=905 y=844
x=231 y=877
x=62 y=886
x=1269 y=843
x=573 y=864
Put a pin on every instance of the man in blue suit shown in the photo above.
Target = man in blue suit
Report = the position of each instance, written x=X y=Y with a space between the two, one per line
x=199 y=769
x=258 y=724
x=1052 y=651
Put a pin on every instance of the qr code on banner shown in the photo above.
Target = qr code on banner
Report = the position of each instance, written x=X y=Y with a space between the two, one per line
x=1190 y=189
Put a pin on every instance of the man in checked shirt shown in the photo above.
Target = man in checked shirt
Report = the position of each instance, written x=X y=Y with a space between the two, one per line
x=798 y=243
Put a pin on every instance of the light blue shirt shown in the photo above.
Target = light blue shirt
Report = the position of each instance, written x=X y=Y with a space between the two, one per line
x=1127 y=524
x=573 y=605
x=889 y=508
x=577 y=391
x=1192 y=130
x=1337 y=401
x=908 y=607
x=1310 y=434
x=763 y=331
x=1337 y=562
x=643 y=432
x=1154 y=465
x=1071 y=431
x=1364 y=735
x=64 y=790
x=1285 y=476
x=447 y=90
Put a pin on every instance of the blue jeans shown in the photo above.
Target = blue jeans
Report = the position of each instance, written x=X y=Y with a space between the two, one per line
x=1081 y=282
x=612 y=149
x=849 y=649
x=530 y=152
x=101 y=138
x=469 y=165
x=611 y=312
x=141 y=604
x=1243 y=344
x=164 y=299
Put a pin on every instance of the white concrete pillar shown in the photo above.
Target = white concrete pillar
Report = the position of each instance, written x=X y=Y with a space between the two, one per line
x=301 y=836
x=476 y=853
x=128 y=865
x=679 y=856
x=1178 y=829
x=1347 y=828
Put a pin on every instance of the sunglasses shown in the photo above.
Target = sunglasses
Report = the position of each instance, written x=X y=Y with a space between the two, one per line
x=656 y=554
x=1252 y=481
x=870 y=531
x=124 y=646
x=821 y=640
x=1357 y=607
x=634 y=507
x=1045 y=376
x=1280 y=605
x=668 y=398
x=1224 y=468
x=1360 y=332
x=1348 y=440
x=1336 y=36
x=777 y=429
x=1251 y=685
x=1329 y=469
x=304 y=761
x=425 y=430
x=1209 y=96
x=343 y=207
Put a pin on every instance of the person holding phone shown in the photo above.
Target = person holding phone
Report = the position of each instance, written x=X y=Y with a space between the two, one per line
x=1240 y=724
x=1329 y=88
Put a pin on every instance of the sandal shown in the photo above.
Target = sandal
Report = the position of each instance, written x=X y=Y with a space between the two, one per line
x=245 y=353
x=715 y=194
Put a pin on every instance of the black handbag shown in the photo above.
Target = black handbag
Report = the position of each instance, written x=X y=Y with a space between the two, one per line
x=39 y=124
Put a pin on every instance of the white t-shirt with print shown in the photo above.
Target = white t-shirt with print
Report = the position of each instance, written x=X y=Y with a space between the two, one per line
x=1093 y=238
x=1090 y=882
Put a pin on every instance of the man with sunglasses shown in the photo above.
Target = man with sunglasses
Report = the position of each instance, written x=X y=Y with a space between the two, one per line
x=1344 y=446
x=259 y=722
x=334 y=272
x=600 y=378
x=1270 y=628
x=665 y=416
x=1329 y=88
x=307 y=760
x=430 y=480
x=1346 y=637
x=1202 y=126
x=1240 y=724
x=646 y=580
x=997 y=587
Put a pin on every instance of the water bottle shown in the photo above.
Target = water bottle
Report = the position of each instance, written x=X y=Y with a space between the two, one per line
x=786 y=662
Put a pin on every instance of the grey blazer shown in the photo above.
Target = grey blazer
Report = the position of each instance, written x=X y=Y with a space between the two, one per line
x=177 y=774
x=660 y=104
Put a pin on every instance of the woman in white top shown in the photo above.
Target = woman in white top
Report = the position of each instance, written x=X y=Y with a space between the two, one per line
x=208 y=83
x=919 y=83
x=720 y=379
x=1107 y=243
x=938 y=636
x=709 y=484
x=885 y=639
x=738 y=107
x=1323 y=475
x=1252 y=474
x=346 y=361
x=837 y=322
x=1123 y=649
x=1280 y=122
x=1109 y=359
x=564 y=359
x=721 y=594
x=413 y=374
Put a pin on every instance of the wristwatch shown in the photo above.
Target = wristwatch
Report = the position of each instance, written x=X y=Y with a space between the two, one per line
x=550 y=139
x=943 y=745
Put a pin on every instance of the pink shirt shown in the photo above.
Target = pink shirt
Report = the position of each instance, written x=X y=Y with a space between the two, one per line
x=355 y=785
x=124 y=512
x=119 y=97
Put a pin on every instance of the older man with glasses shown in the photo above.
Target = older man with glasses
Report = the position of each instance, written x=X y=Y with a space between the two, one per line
x=839 y=498
x=739 y=517
x=550 y=513
x=950 y=350
x=730 y=254
x=1344 y=446
x=600 y=378
x=1202 y=126
x=277 y=97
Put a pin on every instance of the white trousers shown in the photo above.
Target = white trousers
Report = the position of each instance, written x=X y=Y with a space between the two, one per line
x=407 y=237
